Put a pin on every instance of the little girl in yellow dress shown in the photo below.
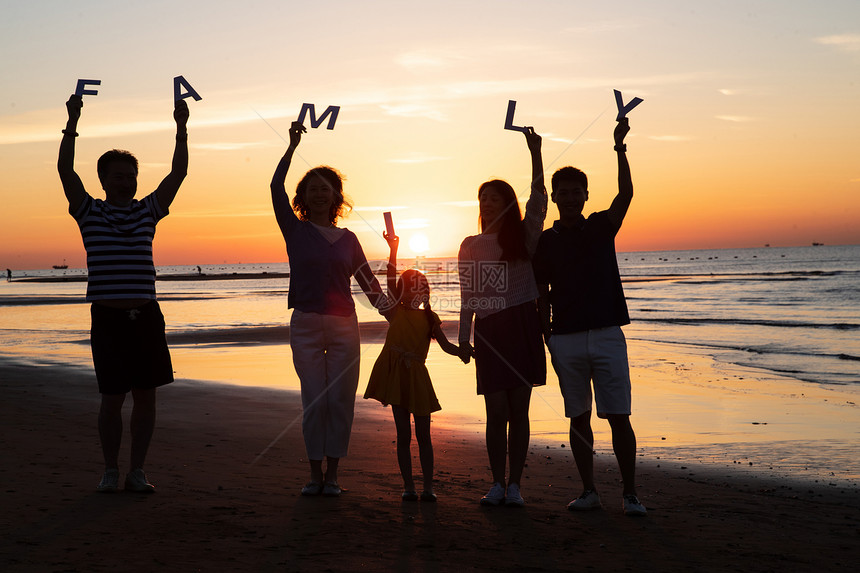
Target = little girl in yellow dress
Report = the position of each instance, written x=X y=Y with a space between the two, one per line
x=399 y=376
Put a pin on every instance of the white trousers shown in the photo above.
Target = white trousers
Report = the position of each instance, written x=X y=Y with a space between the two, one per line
x=326 y=351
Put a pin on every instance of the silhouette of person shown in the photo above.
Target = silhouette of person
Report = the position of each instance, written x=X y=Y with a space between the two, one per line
x=8 y=275
x=583 y=308
x=400 y=377
x=497 y=288
x=129 y=349
x=324 y=336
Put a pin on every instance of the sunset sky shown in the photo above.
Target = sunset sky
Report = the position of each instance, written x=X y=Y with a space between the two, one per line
x=749 y=132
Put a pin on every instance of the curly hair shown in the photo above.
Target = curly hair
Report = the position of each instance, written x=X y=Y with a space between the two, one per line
x=330 y=176
x=511 y=234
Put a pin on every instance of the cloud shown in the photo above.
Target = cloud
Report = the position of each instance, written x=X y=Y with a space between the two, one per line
x=565 y=140
x=418 y=157
x=414 y=110
x=729 y=91
x=213 y=213
x=377 y=209
x=399 y=225
x=423 y=59
x=414 y=223
x=224 y=146
x=671 y=138
x=605 y=27
x=843 y=42
x=425 y=100
x=735 y=118
x=470 y=204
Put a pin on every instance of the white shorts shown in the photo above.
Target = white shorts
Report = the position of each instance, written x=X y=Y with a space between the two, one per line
x=599 y=355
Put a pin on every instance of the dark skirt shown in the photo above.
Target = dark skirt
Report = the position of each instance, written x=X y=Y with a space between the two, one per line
x=509 y=350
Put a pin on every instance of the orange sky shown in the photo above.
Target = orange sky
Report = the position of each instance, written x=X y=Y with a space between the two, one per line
x=748 y=133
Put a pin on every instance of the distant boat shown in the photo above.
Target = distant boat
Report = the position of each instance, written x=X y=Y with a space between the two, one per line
x=63 y=266
x=817 y=244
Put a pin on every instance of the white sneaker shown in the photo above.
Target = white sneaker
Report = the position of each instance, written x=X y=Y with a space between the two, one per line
x=513 y=497
x=495 y=496
x=135 y=480
x=110 y=481
x=588 y=500
x=331 y=489
x=632 y=506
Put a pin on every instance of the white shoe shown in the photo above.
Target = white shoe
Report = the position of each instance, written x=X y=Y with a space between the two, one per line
x=331 y=489
x=135 y=480
x=495 y=496
x=513 y=497
x=588 y=500
x=110 y=481
x=632 y=506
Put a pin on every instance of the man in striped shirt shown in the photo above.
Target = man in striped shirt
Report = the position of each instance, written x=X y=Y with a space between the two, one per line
x=129 y=348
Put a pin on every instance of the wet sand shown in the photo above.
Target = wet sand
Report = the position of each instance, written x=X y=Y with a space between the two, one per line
x=228 y=463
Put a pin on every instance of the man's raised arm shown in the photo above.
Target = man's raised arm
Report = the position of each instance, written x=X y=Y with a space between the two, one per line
x=73 y=187
x=166 y=191
x=621 y=203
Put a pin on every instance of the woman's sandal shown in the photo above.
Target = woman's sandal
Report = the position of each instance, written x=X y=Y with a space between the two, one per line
x=428 y=496
x=409 y=496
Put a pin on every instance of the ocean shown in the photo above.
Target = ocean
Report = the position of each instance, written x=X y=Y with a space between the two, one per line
x=774 y=322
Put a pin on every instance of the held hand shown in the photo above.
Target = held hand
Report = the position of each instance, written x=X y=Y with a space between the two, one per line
x=392 y=240
x=180 y=114
x=621 y=130
x=465 y=352
x=74 y=106
x=296 y=131
x=388 y=313
x=533 y=140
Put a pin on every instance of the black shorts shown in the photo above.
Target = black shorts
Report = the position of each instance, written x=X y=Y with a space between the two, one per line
x=129 y=348
x=509 y=349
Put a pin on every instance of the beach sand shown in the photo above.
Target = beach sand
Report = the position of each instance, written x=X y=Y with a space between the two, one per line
x=228 y=463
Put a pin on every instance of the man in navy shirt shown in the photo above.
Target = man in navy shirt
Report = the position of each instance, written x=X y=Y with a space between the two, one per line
x=582 y=309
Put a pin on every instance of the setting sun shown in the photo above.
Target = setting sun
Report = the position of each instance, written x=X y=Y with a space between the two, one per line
x=419 y=243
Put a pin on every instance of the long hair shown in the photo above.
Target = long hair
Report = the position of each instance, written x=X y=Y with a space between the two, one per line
x=511 y=235
x=414 y=280
x=331 y=177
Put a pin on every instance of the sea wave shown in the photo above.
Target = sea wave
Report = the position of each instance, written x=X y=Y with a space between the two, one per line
x=690 y=321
